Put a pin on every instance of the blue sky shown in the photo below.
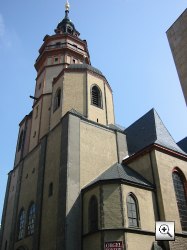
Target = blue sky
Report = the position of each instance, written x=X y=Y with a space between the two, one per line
x=127 y=42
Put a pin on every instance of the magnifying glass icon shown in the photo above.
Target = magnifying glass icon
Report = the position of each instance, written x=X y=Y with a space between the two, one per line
x=164 y=229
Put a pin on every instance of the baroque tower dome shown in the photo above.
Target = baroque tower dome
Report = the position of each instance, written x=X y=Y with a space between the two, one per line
x=66 y=25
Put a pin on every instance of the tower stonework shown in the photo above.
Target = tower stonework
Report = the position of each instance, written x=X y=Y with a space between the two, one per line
x=80 y=181
x=177 y=37
x=48 y=151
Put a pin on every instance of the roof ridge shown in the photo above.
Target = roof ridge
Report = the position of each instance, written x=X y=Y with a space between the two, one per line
x=147 y=130
x=159 y=136
x=126 y=174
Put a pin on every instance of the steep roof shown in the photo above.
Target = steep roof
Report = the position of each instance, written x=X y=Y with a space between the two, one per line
x=183 y=144
x=125 y=173
x=147 y=130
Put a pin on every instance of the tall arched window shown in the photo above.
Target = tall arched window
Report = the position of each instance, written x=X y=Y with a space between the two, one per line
x=20 y=141
x=132 y=211
x=93 y=214
x=57 y=100
x=179 y=182
x=31 y=219
x=21 y=224
x=96 y=96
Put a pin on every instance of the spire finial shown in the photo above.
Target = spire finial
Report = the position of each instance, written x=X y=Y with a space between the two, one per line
x=67 y=6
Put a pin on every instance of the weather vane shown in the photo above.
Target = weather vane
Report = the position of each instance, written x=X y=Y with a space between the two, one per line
x=67 y=5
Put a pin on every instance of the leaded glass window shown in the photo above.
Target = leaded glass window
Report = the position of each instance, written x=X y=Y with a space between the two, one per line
x=21 y=225
x=181 y=199
x=132 y=211
x=31 y=219
x=93 y=214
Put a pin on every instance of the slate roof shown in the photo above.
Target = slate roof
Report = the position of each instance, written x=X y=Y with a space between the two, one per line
x=116 y=127
x=183 y=144
x=125 y=173
x=74 y=111
x=147 y=130
x=85 y=66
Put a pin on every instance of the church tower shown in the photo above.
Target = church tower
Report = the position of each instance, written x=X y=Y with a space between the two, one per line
x=66 y=80
x=71 y=117
x=81 y=182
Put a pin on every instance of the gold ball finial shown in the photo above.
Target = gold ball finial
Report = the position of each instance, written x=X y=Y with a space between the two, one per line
x=67 y=5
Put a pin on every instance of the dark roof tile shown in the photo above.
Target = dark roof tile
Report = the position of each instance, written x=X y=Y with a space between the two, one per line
x=85 y=66
x=125 y=173
x=183 y=144
x=147 y=130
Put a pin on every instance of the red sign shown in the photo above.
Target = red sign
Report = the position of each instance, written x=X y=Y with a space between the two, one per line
x=114 y=245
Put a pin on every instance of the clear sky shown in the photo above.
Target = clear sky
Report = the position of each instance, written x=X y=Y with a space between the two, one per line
x=127 y=42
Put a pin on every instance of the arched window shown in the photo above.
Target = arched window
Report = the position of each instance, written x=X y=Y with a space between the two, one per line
x=179 y=182
x=31 y=219
x=93 y=214
x=20 y=141
x=69 y=30
x=132 y=211
x=57 y=100
x=21 y=224
x=96 y=96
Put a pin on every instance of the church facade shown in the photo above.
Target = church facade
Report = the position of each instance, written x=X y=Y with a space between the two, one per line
x=81 y=182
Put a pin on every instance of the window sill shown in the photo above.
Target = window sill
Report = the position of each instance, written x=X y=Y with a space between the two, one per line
x=134 y=227
x=56 y=109
x=97 y=106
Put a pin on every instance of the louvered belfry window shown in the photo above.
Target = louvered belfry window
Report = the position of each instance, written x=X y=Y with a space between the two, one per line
x=181 y=199
x=96 y=96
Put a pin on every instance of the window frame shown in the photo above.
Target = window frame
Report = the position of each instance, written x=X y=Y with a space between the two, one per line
x=21 y=224
x=31 y=217
x=69 y=30
x=100 y=98
x=180 y=205
x=57 y=99
x=56 y=59
x=137 y=218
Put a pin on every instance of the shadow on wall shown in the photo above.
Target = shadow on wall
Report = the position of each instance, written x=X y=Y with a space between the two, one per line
x=74 y=225
x=159 y=245
x=22 y=248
